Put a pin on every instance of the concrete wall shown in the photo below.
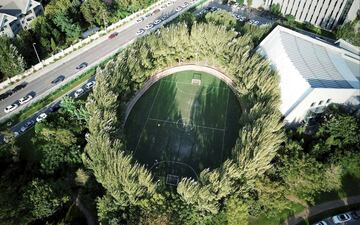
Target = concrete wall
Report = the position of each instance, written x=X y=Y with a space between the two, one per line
x=319 y=97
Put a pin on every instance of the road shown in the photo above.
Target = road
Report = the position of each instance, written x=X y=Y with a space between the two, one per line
x=325 y=207
x=42 y=84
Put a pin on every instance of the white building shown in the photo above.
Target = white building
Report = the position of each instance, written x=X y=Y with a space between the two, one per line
x=323 y=13
x=313 y=72
x=17 y=14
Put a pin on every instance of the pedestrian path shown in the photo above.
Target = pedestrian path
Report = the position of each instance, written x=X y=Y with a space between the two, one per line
x=317 y=209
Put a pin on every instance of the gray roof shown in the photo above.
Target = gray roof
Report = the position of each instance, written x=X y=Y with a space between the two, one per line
x=14 y=7
x=318 y=62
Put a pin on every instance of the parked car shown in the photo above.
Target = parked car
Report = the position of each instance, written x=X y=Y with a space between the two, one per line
x=163 y=18
x=113 y=35
x=19 y=87
x=163 y=7
x=6 y=94
x=185 y=4
x=140 y=20
x=58 y=79
x=178 y=9
x=341 y=218
x=156 y=11
x=10 y=108
x=25 y=99
x=141 y=31
x=156 y=22
x=41 y=117
x=78 y=92
x=90 y=84
x=82 y=66
x=356 y=215
x=321 y=223
x=149 y=26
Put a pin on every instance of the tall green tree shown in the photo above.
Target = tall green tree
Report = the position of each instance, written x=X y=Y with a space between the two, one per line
x=43 y=198
x=12 y=62
x=95 y=12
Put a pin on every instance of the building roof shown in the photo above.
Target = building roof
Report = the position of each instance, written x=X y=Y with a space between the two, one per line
x=5 y=18
x=320 y=63
x=14 y=7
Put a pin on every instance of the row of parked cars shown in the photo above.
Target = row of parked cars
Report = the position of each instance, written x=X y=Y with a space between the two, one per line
x=162 y=18
x=343 y=218
x=30 y=96
x=43 y=115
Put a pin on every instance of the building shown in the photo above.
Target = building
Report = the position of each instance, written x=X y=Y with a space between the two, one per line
x=17 y=14
x=313 y=72
x=326 y=14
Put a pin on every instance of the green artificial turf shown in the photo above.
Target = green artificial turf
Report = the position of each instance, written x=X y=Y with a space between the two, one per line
x=184 y=126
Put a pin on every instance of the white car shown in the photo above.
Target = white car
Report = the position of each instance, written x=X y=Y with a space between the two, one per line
x=321 y=223
x=78 y=92
x=341 y=218
x=140 y=20
x=11 y=108
x=90 y=84
x=41 y=117
x=149 y=26
x=156 y=22
x=25 y=99
x=163 y=18
x=169 y=3
x=185 y=4
x=163 y=7
x=178 y=9
x=141 y=31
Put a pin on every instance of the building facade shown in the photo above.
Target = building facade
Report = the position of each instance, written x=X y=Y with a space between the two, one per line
x=313 y=72
x=17 y=14
x=326 y=14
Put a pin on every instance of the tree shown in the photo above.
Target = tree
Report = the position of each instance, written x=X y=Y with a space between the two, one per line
x=75 y=108
x=95 y=12
x=221 y=17
x=67 y=25
x=305 y=177
x=276 y=9
x=350 y=32
x=236 y=212
x=11 y=63
x=43 y=199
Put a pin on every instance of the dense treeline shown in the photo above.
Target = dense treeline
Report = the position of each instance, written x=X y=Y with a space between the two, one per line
x=60 y=26
x=350 y=32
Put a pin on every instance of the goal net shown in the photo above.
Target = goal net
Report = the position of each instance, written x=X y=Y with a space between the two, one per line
x=196 y=80
x=172 y=180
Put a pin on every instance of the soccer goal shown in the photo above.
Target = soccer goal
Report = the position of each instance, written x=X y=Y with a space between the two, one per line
x=172 y=180
x=196 y=80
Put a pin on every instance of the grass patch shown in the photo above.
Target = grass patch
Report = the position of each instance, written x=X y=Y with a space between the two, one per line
x=176 y=120
x=278 y=218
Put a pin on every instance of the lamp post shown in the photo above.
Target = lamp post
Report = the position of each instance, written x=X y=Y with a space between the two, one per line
x=36 y=52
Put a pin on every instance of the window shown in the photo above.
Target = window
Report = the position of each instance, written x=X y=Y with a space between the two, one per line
x=328 y=101
x=312 y=104
x=321 y=102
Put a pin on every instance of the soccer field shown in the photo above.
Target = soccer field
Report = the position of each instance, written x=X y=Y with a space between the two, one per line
x=182 y=127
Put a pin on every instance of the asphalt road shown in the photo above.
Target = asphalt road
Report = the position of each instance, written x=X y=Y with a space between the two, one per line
x=68 y=69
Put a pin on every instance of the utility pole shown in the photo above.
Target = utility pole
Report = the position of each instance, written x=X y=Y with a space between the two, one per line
x=37 y=55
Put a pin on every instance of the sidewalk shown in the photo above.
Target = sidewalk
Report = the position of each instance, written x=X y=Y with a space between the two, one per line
x=317 y=209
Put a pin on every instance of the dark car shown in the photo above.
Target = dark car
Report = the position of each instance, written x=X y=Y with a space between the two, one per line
x=356 y=215
x=19 y=87
x=6 y=94
x=58 y=79
x=113 y=35
x=82 y=65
